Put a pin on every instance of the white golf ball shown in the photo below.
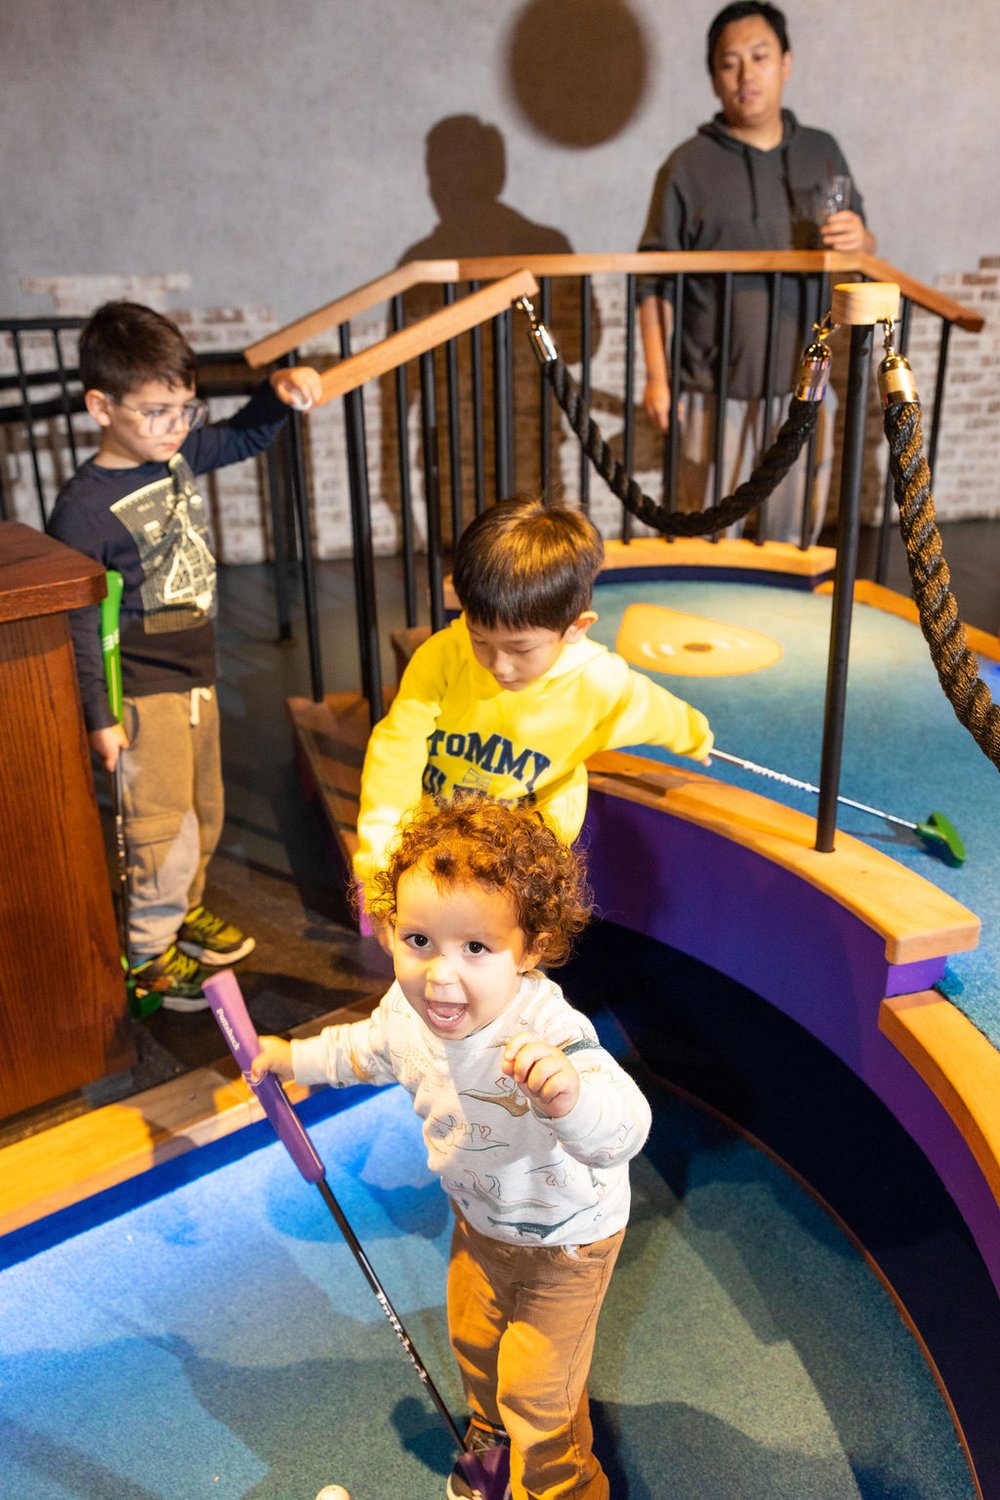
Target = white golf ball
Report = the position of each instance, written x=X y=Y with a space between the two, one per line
x=333 y=1492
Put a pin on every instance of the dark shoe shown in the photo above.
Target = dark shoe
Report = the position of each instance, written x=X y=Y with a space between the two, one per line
x=212 y=941
x=481 y=1476
x=173 y=976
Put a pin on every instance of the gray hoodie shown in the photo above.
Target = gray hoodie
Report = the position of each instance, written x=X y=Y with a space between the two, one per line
x=717 y=193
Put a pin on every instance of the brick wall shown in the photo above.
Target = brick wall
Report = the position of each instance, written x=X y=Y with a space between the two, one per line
x=967 y=471
x=965 y=483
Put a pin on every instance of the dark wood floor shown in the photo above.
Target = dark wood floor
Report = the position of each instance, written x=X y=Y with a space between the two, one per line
x=276 y=872
x=972 y=551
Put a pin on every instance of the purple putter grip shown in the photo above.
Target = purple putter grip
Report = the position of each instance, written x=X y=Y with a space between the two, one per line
x=229 y=1009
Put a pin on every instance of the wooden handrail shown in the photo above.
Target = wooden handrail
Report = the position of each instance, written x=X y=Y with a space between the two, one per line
x=692 y=261
x=924 y=296
x=488 y=268
x=382 y=289
x=426 y=334
x=649 y=262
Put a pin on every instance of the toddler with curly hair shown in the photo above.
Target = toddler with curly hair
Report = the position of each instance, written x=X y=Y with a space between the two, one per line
x=527 y=1120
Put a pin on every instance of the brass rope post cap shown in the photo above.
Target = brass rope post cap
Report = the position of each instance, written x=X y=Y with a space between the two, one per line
x=862 y=302
x=814 y=371
x=896 y=383
x=542 y=341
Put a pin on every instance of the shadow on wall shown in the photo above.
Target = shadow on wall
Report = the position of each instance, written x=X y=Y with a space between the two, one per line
x=466 y=164
x=466 y=170
x=578 y=68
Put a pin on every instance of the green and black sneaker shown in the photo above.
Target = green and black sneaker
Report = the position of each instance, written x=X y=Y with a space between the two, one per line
x=211 y=940
x=175 y=977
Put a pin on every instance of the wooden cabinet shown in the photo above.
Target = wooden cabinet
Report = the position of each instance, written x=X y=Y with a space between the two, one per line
x=63 y=1017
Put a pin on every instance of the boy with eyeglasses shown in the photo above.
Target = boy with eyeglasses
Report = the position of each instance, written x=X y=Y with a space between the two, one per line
x=136 y=507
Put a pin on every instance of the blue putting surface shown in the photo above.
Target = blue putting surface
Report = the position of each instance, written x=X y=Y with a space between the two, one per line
x=220 y=1340
x=904 y=750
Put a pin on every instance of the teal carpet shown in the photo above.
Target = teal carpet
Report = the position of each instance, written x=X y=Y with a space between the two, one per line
x=904 y=750
x=220 y=1340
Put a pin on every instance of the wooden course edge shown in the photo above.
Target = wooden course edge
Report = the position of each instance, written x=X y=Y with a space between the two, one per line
x=915 y=919
x=813 y=563
x=76 y=1159
x=877 y=596
x=81 y=1157
x=959 y=1065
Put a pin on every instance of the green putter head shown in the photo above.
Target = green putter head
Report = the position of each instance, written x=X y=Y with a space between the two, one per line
x=939 y=834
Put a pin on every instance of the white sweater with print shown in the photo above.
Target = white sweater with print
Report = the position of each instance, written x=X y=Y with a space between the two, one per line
x=515 y=1174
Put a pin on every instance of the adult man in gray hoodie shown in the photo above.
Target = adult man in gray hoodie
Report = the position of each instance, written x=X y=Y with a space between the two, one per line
x=751 y=179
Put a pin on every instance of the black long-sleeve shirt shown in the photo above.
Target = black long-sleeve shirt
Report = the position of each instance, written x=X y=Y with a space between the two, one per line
x=151 y=524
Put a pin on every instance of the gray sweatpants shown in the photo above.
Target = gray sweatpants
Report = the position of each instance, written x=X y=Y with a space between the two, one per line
x=173 y=806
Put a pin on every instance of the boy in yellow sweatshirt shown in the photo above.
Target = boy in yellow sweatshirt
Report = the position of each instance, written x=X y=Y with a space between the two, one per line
x=510 y=699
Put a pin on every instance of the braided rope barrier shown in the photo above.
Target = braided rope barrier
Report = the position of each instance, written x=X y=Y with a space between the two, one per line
x=774 y=464
x=956 y=663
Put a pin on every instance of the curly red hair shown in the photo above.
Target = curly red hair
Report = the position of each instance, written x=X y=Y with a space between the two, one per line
x=473 y=839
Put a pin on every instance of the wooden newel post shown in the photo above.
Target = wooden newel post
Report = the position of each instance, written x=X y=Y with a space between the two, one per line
x=859 y=305
x=63 y=1019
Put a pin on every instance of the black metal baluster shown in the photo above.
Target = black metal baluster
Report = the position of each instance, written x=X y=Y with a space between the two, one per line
x=432 y=489
x=454 y=426
x=628 y=434
x=722 y=390
x=478 y=424
x=501 y=411
x=674 y=436
x=942 y=372
x=545 y=400
x=64 y=400
x=279 y=533
x=403 y=459
x=888 y=494
x=848 y=525
x=585 y=335
x=508 y=318
x=29 y=425
x=300 y=502
x=366 y=609
x=814 y=315
x=770 y=363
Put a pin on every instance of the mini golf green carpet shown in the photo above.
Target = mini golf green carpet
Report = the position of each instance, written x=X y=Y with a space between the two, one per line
x=220 y=1340
x=904 y=750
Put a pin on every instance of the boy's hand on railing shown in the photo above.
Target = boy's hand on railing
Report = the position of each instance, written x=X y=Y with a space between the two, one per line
x=299 y=386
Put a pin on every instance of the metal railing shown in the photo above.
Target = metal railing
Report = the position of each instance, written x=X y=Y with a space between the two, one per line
x=478 y=385
x=502 y=392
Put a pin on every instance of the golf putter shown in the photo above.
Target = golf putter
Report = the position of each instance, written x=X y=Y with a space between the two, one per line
x=226 y=1000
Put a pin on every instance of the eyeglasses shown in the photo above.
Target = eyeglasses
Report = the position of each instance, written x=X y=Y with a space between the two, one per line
x=159 y=421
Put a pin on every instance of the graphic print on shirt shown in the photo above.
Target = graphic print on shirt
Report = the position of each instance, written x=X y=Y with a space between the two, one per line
x=513 y=1101
x=487 y=1192
x=168 y=521
x=447 y=1134
x=479 y=762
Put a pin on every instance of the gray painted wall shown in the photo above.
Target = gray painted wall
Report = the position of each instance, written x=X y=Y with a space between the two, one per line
x=275 y=151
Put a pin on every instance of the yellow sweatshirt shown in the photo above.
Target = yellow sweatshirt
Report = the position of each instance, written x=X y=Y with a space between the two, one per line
x=453 y=728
